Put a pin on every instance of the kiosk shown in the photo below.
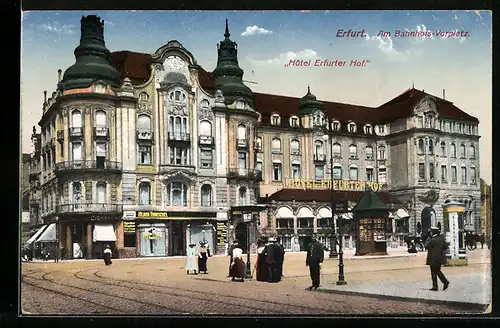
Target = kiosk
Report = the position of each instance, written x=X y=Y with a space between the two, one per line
x=453 y=222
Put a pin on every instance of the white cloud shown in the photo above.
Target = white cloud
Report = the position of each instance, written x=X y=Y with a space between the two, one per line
x=56 y=27
x=423 y=33
x=385 y=44
x=285 y=57
x=255 y=30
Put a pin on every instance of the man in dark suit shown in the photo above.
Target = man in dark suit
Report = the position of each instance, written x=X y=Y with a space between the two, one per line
x=436 y=248
x=315 y=256
x=272 y=253
x=281 y=259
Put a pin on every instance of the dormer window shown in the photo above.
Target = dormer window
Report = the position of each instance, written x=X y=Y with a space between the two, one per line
x=240 y=104
x=368 y=129
x=143 y=96
x=275 y=119
x=335 y=125
x=294 y=122
x=318 y=119
x=381 y=129
x=99 y=88
x=351 y=127
x=420 y=122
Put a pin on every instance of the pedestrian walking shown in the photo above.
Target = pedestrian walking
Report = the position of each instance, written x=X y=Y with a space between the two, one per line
x=260 y=264
x=55 y=250
x=230 y=253
x=237 y=269
x=272 y=253
x=191 y=259
x=107 y=255
x=281 y=259
x=315 y=256
x=436 y=249
x=202 y=257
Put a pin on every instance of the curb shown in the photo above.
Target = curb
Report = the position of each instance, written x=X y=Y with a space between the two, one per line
x=460 y=305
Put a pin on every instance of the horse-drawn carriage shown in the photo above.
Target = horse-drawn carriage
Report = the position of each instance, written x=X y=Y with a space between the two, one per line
x=415 y=244
x=471 y=240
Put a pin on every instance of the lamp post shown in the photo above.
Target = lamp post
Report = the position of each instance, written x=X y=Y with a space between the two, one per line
x=341 y=280
x=249 y=268
x=333 y=238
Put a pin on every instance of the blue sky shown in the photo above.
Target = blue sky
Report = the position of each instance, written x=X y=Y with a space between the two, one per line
x=266 y=40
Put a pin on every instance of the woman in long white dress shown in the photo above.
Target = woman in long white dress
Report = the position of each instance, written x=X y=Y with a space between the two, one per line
x=191 y=260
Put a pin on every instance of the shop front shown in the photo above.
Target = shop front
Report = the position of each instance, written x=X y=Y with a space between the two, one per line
x=152 y=239
x=243 y=225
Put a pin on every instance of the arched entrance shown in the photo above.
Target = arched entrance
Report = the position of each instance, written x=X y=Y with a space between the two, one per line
x=427 y=215
x=241 y=233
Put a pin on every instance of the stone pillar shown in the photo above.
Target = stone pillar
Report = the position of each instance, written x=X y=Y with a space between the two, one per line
x=60 y=235
x=454 y=256
x=119 y=235
x=89 y=240
x=315 y=224
x=69 y=241
x=137 y=241
x=295 y=225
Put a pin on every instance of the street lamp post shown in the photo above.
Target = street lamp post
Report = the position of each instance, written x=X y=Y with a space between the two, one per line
x=341 y=280
x=333 y=238
x=249 y=268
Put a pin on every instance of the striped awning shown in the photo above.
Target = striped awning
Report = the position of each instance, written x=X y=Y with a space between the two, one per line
x=35 y=236
x=49 y=234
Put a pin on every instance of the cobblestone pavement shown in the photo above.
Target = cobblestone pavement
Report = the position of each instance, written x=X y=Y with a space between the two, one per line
x=161 y=286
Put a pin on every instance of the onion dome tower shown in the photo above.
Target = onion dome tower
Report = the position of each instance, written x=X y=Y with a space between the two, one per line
x=228 y=75
x=93 y=59
x=309 y=104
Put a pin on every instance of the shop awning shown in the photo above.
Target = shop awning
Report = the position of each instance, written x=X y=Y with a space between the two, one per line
x=35 y=236
x=401 y=214
x=104 y=232
x=49 y=234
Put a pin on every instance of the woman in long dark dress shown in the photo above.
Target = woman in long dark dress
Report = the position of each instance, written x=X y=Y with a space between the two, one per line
x=260 y=265
x=202 y=257
x=107 y=255
x=237 y=266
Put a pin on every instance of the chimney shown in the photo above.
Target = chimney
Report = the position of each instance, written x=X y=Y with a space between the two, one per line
x=59 y=71
x=444 y=95
x=45 y=97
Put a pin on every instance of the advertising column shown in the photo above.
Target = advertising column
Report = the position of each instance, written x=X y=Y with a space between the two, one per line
x=454 y=256
x=221 y=237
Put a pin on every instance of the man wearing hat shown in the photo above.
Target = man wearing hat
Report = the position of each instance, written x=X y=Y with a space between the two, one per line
x=315 y=256
x=436 y=249
x=273 y=254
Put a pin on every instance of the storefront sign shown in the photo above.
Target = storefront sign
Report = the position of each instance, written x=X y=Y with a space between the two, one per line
x=221 y=234
x=244 y=213
x=152 y=235
x=149 y=214
x=340 y=185
x=129 y=227
x=128 y=215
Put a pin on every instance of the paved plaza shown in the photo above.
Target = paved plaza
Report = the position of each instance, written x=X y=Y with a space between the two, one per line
x=386 y=285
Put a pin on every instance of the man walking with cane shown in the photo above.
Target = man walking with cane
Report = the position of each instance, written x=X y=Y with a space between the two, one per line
x=436 y=248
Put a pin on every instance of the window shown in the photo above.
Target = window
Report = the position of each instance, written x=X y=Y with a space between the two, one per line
x=464 y=175
x=353 y=151
x=276 y=171
x=453 y=150
x=144 y=193
x=444 y=173
x=284 y=223
x=101 y=192
x=286 y=242
x=420 y=143
x=176 y=194
x=318 y=149
x=336 y=125
x=337 y=150
x=420 y=122
x=368 y=129
x=353 y=173
x=453 y=174
x=143 y=96
x=443 y=149
x=318 y=119
x=178 y=126
x=296 y=171
x=294 y=146
x=381 y=129
x=294 y=122
x=258 y=144
x=143 y=123
x=369 y=152
x=337 y=172
x=204 y=104
x=99 y=88
x=259 y=166
x=76 y=119
x=144 y=155
x=462 y=151
x=421 y=171
x=276 y=146
x=275 y=119
x=101 y=154
x=242 y=160
x=77 y=192
x=178 y=155
x=100 y=118
x=242 y=196
x=319 y=172
x=369 y=174
x=206 y=195
x=242 y=132
x=431 y=147
x=306 y=223
x=205 y=128
x=240 y=104
x=431 y=172
x=206 y=159
x=381 y=152
x=472 y=152
x=473 y=175
x=76 y=149
x=352 y=127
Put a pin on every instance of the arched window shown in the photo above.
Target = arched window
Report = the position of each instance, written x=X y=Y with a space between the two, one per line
x=318 y=119
x=258 y=144
x=101 y=192
x=443 y=149
x=206 y=195
x=100 y=118
x=144 y=193
x=294 y=122
x=335 y=125
x=240 y=104
x=431 y=147
x=275 y=119
x=421 y=149
x=176 y=194
x=205 y=128
x=453 y=150
x=353 y=151
x=204 y=103
x=462 y=151
x=351 y=127
x=76 y=119
x=294 y=146
x=368 y=129
x=143 y=96
x=242 y=195
x=242 y=131
x=337 y=150
x=318 y=148
x=381 y=152
x=276 y=146
x=472 y=152
x=369 y=152
x=143 y=123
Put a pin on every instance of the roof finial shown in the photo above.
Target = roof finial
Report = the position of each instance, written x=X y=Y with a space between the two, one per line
x=413 y=84
x=308 y=88
x=226 y=35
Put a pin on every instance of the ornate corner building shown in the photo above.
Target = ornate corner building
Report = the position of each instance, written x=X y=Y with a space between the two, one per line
x=149 y=152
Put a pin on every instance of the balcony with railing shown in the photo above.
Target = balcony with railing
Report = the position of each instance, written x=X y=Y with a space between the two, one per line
x=101 y=132
x=319 y=158
x=107 y=166
x=241 y=143
x=60 y=135
x=179 y=137
x=89 y=208
x=251 y=174
x=145 y=135
x=76 y=131
x=206 y=140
